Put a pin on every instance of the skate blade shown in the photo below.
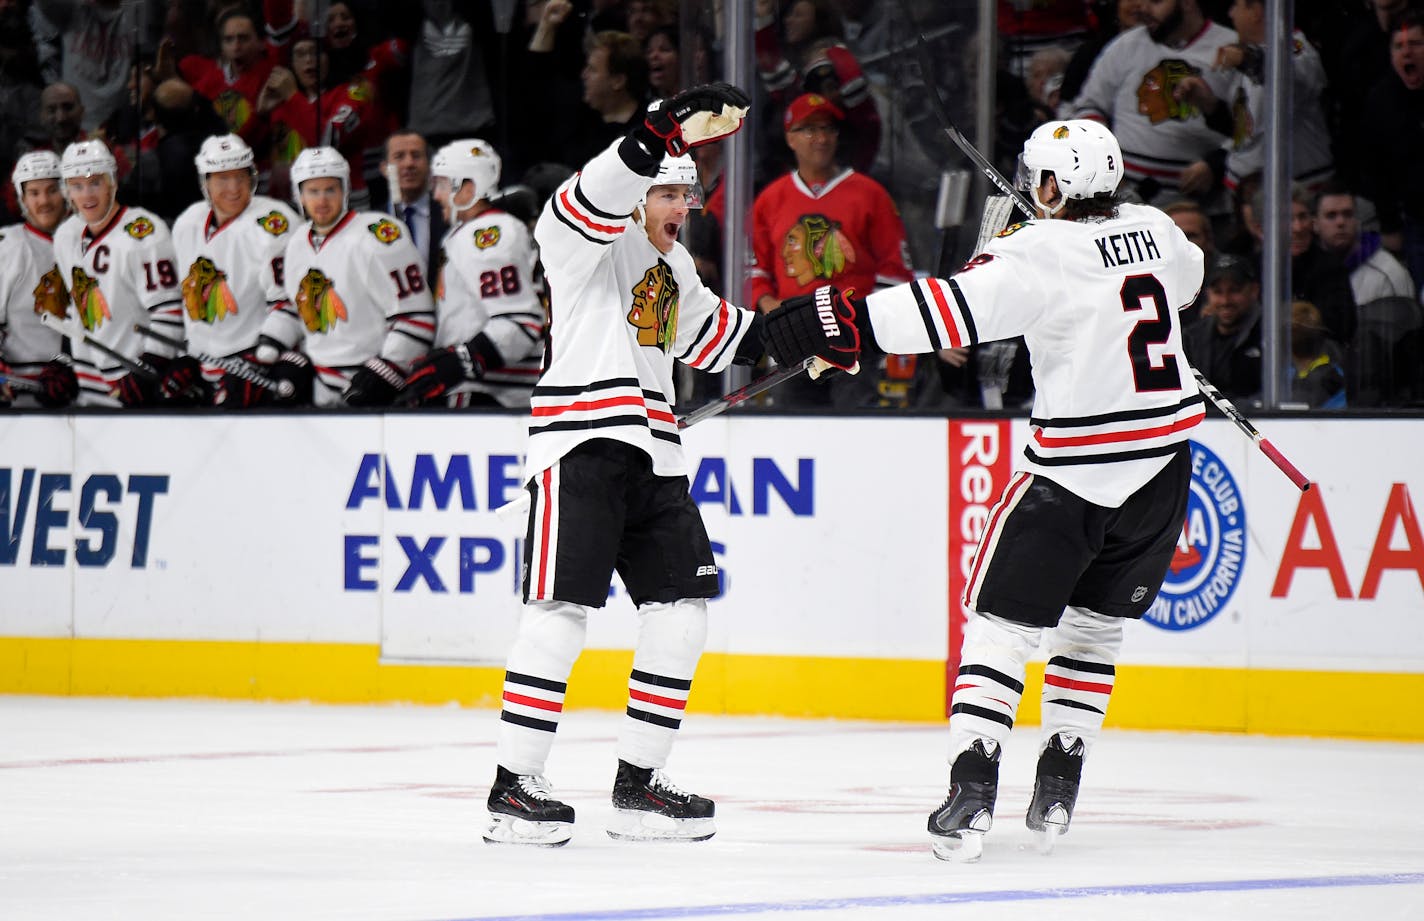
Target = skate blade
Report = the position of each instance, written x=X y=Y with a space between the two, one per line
x=508 y=829
x=636 y=825
x=961 y=847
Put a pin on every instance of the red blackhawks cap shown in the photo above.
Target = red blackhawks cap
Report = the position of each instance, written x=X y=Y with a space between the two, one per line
x=808 y=104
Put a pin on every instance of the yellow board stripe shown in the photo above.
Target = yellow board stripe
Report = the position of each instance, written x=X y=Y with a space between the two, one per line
x=1270 y=701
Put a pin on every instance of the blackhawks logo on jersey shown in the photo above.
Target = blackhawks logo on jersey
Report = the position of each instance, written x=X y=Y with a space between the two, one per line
x=386 y=231
x=274 y=222
x=234 y=109
x=815 y=249
x=206 y=294
x=139 y=229
x=318 y=303
x=486 y=237
x=1242 y=124
x=654 y=312
x=51 y=296
x=1156 y=94
x=89 y=300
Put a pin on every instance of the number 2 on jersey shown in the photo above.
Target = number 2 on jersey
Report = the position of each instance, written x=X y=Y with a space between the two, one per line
x=1139 y=292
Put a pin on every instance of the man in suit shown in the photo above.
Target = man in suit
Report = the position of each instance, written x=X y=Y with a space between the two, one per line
x=408 y=157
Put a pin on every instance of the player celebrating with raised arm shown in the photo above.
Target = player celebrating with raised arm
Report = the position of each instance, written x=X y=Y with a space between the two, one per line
x=354 y=279
x=118 y=263
x=605 y=468
x=1090 y=519
x=30 y=286
x=490 y=320
x=231 y=248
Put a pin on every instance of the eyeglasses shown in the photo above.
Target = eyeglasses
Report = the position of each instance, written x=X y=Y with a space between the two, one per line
x=825 y=128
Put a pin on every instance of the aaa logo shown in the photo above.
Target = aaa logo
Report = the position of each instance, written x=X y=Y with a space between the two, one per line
x=206 y=294
x=318 y=303
x=89 y=300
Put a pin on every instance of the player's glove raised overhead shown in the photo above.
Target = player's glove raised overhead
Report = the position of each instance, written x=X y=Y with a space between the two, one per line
x=375 y=383
x=436 y=373
x=818 y=325
x=693 y=117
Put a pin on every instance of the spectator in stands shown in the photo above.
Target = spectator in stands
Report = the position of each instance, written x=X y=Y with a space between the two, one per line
x=1028 y=28
x=1316 y=275
x=61 y=117
x=1139 y=85
x=407 y=156
x=821 y=224
x=1226 y=345
x=234 y=80
x=1193 y=222
x=646 y=16
x=1044 y=81
x=1375 y=272
x=449 y=88
x=96 y=38
x=1392 y=132
x=1113 y=19
x=1363 y=62
x=1318 y=381
x=615 y=88
x=20 y=86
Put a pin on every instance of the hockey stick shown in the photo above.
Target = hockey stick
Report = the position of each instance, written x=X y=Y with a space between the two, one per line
x=19 y=384
x=141 y=368
x=969 y=150
x=234 y=366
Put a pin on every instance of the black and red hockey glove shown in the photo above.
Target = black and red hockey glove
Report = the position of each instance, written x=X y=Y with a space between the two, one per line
x=183 y=383
x=135 y=390
x=694 y=117
x=295 y=378
x=435 y=374
x=375 y=383
x=817 y=325
x=58 y=385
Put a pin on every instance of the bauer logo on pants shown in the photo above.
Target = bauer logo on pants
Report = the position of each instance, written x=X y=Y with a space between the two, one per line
x=1211 y=550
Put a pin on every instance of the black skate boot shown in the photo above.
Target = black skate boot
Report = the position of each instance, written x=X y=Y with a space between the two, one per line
x=522 y=810
x=649 y=807
x=1055 y=790
x=957 y=827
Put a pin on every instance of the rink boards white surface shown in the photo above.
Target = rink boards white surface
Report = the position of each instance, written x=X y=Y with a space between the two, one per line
x=125 y=809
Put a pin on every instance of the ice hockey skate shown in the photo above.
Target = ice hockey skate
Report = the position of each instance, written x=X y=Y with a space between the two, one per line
x=649 y=807
x=1055 y=790
x=522 y=810
x=957 y=827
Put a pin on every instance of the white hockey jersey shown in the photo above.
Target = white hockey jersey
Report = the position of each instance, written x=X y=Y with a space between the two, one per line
x=233 y=277
x=29 y=284
x=359 y=293
x=487 y=283
x=620 y=312
x=1310 y=139
x=119 y=277
x=1130 y=88
x=1097 y=303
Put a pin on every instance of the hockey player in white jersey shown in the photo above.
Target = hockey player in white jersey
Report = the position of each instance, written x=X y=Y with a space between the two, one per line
x=490 y=318
x=231 y=248
x=355 y=280
x=119 y=265
x=1089 y=521
x=30 y=351
x=605 y=469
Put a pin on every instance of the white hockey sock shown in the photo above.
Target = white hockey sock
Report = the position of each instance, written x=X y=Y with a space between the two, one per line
x=1078 y=679
x=990 y=681
x=670 y=641
x=551 y=635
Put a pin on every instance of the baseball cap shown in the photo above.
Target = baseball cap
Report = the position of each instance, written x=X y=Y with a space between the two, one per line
x=808 y=104
x=1237 y=268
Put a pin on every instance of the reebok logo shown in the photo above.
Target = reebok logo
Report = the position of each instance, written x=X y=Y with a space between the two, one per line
x=710 y=570
x=826 y=313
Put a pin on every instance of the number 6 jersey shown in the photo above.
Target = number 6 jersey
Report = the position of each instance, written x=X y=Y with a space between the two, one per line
x=1096 y=301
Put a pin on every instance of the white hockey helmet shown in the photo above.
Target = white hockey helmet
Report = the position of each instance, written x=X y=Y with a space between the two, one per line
x=39 y=164
x=220 y=153
x=88 y=158
x=469 y=159
x=1082 y=154
x=678 y=171
x=321 y=163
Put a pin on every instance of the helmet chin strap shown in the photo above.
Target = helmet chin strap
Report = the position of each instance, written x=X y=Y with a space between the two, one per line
x=1047 y=209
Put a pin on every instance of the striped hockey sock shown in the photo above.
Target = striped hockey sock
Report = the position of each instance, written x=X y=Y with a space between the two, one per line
x=528 y=721
x=670 y=641
x=990 y=682
x=1079 y=677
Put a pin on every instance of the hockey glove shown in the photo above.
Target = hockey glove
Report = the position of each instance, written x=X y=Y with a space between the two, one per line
x=436 y=373
x=183 y=382
x=296 y=369
x=135 y=390
x=58 y=385
x=375 y=383
x=695 y=117
x=819 y=325
x=240 y=393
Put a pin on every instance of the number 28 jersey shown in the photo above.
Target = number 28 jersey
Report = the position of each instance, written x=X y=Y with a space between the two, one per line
x=1097 y=303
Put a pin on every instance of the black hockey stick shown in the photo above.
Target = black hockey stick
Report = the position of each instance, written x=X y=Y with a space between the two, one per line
x=234 y=366
x=141 y=368
x=19 y=384
x=969 y=150
x=742 y=394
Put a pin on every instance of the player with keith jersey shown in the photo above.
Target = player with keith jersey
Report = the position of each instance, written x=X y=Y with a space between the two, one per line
x=30 y=286
x=231 y=247
x=1091 y=518
x=605 y=469
x=119 y=265
x=490 y=329
x=354 y=280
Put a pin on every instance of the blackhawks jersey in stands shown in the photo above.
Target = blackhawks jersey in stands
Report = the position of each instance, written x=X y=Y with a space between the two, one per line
x=121 y=276
x=29 y=285
x=359 y=293
x=232 y=277
x=1097 y=303
x=620 y=312
x=488 y=283
x=1130 y=88
x=846 y=233
x=1311 y=162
